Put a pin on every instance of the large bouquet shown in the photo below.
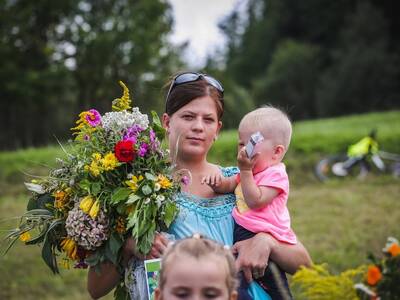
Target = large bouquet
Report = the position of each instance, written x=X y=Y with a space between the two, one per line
x=115 y=182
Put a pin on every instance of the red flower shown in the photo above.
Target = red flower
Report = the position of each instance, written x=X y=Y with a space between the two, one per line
x=124 y=151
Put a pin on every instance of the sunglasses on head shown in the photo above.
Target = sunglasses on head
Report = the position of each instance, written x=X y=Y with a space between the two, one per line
x=193 y=76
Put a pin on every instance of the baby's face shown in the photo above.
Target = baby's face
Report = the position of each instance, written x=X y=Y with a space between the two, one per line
x=190 y=278
x=266 y=148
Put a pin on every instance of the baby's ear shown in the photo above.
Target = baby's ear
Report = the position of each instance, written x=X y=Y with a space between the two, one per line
x=280 y=151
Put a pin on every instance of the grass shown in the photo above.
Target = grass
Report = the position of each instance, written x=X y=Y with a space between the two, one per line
x=339 y=222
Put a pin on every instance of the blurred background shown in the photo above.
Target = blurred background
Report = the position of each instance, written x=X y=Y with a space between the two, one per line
x=313 y=58
x=334 y=66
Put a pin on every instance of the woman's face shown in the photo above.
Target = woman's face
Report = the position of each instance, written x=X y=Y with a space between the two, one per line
x=194 y=279
x=194 y=126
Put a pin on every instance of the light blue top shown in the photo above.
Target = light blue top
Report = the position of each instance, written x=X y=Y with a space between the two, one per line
x=211 y=217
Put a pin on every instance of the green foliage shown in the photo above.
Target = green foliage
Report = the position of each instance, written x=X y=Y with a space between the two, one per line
x=290 y=79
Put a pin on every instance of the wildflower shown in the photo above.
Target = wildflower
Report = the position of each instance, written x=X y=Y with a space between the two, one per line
x=124 y=151
x=64 y=263
x=24 y=237
x=157 y=187
x=96 y=156
x=120 y=225
x=373 y=275
x=394 y=249
x=86 y=204
x=109 y=162
x=124 y=102
x=132 y=133
x=88 y=233
x=93 y=118
x=185 y=180
x=144 y=148
x=70 y=248
x=94 y=210
x=164 y=181
x=118 y=121
x=93 y=168
x=60 y=199
x=133 y=183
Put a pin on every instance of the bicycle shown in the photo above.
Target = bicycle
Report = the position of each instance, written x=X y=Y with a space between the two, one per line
x=358 y=160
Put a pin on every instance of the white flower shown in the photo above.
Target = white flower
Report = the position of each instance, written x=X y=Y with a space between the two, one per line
x=160 y=198
x=120 y=120
x=157 y=186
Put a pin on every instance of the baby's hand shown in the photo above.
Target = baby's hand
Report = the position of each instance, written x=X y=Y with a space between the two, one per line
x=213 y=180
x=244 y=162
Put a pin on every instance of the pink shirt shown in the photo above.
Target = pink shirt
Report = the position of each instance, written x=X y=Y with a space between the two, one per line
x=273 y=218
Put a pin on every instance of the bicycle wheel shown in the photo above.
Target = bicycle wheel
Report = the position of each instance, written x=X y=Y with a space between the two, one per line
x=323 y=169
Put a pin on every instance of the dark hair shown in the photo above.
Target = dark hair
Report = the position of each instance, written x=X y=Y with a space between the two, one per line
x=183 y=94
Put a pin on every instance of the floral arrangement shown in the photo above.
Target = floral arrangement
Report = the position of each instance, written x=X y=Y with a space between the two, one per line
x=115 y=182
x=382 y=278
x=379 y=280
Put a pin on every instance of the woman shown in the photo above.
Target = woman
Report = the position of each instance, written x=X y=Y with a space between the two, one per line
x=192 y=119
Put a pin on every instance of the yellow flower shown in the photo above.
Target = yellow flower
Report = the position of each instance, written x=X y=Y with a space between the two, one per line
x=96 y=156
x=94 y=210
x=164 y=181
x=124 y=102
x=120 y=225
x=64 y=263
x=133 y=183
x=94 y=169
x=70 y=248
x=109 y=162
x=24 y=237
x=60 y=199
x=86 y=204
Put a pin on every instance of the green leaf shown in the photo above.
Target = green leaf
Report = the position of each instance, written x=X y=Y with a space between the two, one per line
x=95 y=188
x=48 y=256
x=170 y=213
x=146 y=189
x=120 y=194
x=93 y=259
x=40 y=202
x=157 y=126
x=85 y=185
x=133 y=198
x=115 y=243
x=150 y=176
x=121 y=293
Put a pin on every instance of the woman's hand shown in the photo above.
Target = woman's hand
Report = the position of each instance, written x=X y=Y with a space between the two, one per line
x=158 y=247
x=253 y=255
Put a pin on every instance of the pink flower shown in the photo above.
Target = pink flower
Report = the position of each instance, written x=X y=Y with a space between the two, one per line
x=144 y=148
x=93 y=117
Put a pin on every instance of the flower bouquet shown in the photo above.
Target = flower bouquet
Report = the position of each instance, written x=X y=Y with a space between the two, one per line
x=115 y=182
x=382 y=279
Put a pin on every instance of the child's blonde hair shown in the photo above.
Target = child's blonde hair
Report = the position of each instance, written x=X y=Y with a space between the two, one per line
x=199 y=247
x=272 y=122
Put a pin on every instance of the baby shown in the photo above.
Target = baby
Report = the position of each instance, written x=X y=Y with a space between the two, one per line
x=262 y=187
x=197 y=268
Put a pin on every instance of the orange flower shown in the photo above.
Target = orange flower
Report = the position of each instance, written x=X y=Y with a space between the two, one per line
x=373 y=275
x=394 y=249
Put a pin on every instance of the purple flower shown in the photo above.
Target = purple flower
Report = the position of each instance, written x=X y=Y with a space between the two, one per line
x=86 y=137
x=152 y=136
x=81 y=265
x=144 y=148
x=132 y=133
x=185 y=180
x=93 y=117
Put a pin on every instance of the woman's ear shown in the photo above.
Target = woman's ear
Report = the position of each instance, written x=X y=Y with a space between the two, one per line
x=219 y=127
x=165 y=121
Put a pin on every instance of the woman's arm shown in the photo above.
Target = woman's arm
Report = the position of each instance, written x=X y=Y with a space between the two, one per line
x=101 y=283
x=253 y=255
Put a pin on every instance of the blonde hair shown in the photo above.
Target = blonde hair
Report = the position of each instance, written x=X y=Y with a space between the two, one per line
x=199 y=247
x=272 y=122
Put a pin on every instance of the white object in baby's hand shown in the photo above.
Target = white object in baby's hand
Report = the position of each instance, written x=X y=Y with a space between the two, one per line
x=254 y=140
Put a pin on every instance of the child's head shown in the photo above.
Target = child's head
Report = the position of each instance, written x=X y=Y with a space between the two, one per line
x=276 y=129
x=197 y=267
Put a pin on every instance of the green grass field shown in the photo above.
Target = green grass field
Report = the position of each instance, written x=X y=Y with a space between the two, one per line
x=339 y=222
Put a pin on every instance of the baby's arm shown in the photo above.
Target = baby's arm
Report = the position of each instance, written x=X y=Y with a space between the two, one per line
x=255 y=196
x=219 y=183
